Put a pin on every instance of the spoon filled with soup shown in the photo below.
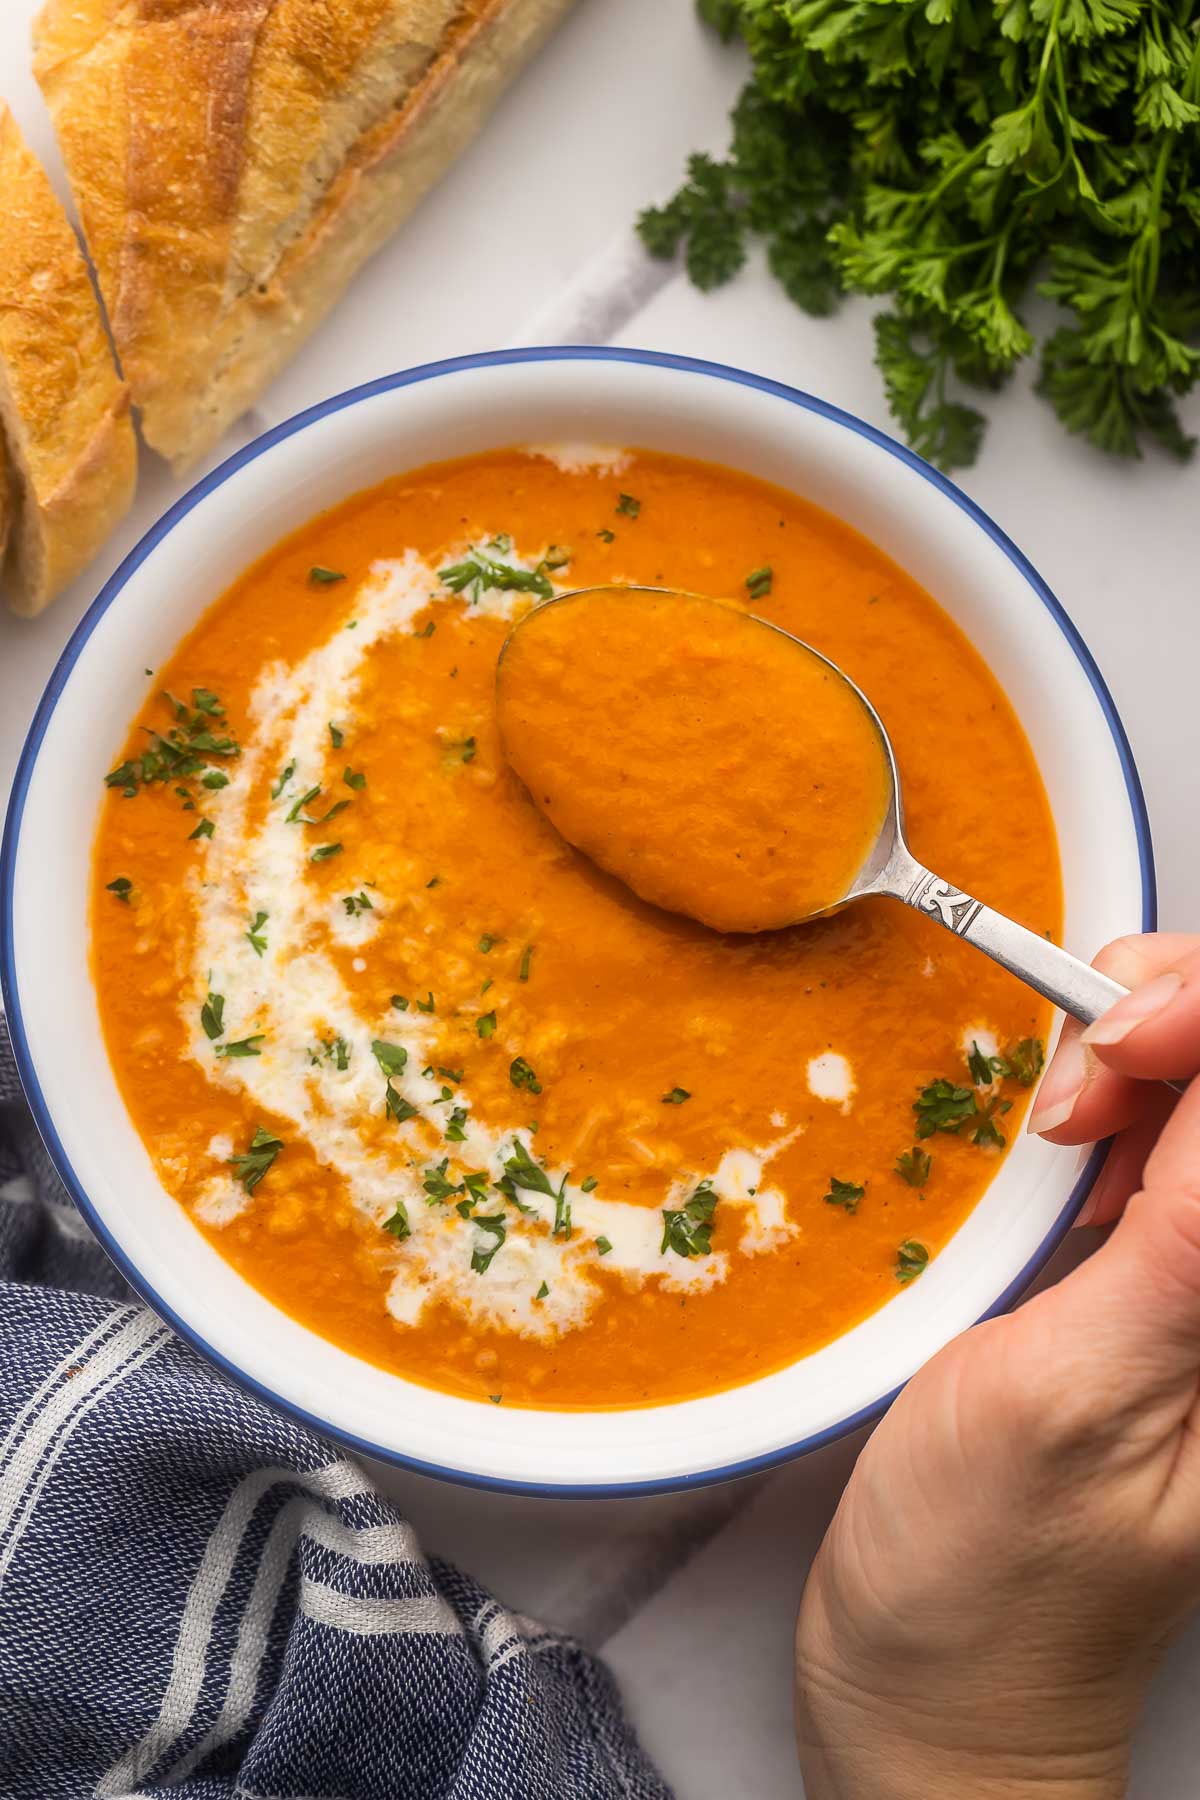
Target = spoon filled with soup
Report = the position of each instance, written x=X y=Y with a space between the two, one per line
x=724 y=769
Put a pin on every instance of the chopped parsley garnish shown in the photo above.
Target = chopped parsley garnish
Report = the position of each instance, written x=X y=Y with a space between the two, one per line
x=590 y=1185
x=436 y=1185
x=557 y=557
x=485 y=1024
x=215 y=779
x=390 y=1057
x=914 y=1165
x=427 y=630
x=400 y=1002
x=943 y=1106
x=522 y=1076
x=203 y=830
x=562 y=1213
x=122 y=887
x=488 y=942
x=676 y=1097
x=911 y=1258
x=426 y=1006
x=304 y=800
x=758 y=582
x=987 y=1133
x=844 y=1193
x=449 y=1074
x=242 y=1046
x=398 y=1224
x=324 y=852
x=609 y=537
x=353 y=778
x=185 y=749
x=496 y=1224
x=325 y=577
x=542 y=1292
x=526 y=960
x=463 y=751
x=285 y=775
x=1024 y=1061
x=476 y=1186
x=212 y=1015
x=603 y=1246
x=335 y=1050
x=252 y=1163
x=495 y=1399
x=356 y=904
x=397 y=1107
x=520 y=1171
x=454 y=1125
x=688 y=1231
x=336 y=736
x=433 y=881
x=481 y=573
x=627 y=505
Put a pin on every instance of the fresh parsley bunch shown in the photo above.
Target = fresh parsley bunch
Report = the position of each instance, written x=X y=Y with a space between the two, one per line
x=950 y=153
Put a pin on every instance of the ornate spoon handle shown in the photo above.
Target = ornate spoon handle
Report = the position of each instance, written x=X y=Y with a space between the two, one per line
x=1075 y=986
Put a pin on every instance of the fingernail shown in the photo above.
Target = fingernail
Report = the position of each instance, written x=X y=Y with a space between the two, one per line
x=1087 y=1211
x=1114 y=1026
x=1065 y=1080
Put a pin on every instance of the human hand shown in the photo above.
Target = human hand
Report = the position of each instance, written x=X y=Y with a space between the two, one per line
x=1021 y=1536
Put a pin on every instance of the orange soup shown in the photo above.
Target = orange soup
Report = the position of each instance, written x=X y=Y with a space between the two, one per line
x=717 y=766
x=453 y=1097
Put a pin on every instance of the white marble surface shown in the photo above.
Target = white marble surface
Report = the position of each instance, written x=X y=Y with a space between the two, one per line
x=692 y=1597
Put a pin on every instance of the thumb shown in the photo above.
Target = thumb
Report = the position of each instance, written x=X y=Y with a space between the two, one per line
x=1135 y=1305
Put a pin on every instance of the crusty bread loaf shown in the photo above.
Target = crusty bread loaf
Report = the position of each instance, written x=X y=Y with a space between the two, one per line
x=235 y=162
x=70 y=448
x=6 y=501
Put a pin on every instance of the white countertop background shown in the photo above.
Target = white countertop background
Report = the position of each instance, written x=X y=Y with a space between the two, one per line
x=528 y=240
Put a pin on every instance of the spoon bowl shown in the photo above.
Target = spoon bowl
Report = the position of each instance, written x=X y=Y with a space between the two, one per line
x=707 y=644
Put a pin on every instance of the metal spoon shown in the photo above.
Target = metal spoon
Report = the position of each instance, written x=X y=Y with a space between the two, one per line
x=891 y=869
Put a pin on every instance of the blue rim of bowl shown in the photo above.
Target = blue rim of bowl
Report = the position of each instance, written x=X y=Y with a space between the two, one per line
x=686 y=365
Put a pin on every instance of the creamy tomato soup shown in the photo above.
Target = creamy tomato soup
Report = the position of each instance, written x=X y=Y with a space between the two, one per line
x=717 y=767
x=453 y=1097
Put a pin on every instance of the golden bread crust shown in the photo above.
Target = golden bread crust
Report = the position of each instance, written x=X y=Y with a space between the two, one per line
x=71 y=451
x=235 y=162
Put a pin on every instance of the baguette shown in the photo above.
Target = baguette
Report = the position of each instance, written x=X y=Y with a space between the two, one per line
x=6 y=501
x=70 y=459
x=235 y=162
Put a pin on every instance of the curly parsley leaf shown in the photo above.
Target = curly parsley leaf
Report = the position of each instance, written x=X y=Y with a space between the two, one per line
x=914 y=1166
x=845 y=1194
x=496 y=1226
x=911 y=1259
x=954 y=156
x=480 y=573
x=687 y=1230
x=943 y=1106
x=522 y=1076
x=251 y=1164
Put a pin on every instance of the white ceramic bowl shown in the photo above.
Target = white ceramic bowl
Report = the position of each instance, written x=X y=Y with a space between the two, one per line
x=347 y=443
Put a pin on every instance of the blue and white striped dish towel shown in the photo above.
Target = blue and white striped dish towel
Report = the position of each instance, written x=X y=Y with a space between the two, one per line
x=200 y=1600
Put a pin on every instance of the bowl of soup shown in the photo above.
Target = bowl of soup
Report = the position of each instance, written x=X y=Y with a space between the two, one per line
x=422 y=1124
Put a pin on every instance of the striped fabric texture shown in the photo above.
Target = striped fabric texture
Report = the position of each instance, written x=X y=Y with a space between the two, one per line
x=200 y=1599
